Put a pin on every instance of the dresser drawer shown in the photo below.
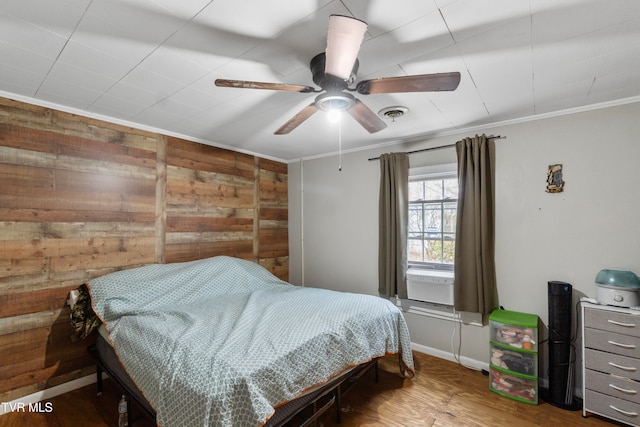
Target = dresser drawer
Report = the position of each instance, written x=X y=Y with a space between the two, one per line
x=622 y=323
x=613 y=385
x=614 y=408
x=626 y=345
x=615 y=364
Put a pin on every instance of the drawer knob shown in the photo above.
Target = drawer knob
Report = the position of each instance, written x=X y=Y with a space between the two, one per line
x=624 y=368
x=623 y=390
x=627 y=413
x=626 y=325
x=629 y=346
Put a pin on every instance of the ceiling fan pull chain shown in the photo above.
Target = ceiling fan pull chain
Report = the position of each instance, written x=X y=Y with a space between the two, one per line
x=340 y=145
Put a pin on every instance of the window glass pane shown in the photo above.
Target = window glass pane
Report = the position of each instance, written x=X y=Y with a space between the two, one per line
x=415 y=250
x=415 y=218
x=449 y=217
x=433 y=189
x=448 y=251
x=432 y=217
x=450 y=188
x=433 y=251
x=416 y=190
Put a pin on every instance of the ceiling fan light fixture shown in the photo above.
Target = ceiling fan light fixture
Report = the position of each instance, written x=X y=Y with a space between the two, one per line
x=343 y=44
x=340 y=101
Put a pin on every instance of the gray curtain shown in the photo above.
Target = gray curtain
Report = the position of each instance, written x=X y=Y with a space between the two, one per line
x=475 y=278
x=394 y=216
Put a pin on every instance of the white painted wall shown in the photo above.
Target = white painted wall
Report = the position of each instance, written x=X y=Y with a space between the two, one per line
x=570 y=236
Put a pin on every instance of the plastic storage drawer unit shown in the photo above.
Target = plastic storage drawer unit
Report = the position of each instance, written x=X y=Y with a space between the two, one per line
x=514 y=355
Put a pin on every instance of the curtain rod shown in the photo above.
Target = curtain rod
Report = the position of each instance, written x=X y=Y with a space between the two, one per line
x=440 y=147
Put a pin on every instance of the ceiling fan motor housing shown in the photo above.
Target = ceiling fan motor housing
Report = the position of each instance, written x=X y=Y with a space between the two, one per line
x=327 y=81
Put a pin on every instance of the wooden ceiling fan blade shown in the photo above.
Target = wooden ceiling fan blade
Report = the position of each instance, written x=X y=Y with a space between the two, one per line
x=344 y=38
x=418 y=83
x=243 y=84
x=367 y=118
x=296 y=120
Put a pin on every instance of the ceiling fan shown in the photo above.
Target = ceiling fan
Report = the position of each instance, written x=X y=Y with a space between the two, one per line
x=335 y=71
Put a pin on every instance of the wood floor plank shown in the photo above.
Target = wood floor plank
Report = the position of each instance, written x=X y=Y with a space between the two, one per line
x=24 y=419
x=77 y=408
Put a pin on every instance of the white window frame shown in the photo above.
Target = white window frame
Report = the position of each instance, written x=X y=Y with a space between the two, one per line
x=424 y=308
x=447 y=170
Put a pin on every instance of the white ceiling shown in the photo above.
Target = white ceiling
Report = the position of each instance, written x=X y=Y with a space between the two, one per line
x=152 y=63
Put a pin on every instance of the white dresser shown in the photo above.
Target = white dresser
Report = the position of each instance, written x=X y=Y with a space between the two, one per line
x=611 y=362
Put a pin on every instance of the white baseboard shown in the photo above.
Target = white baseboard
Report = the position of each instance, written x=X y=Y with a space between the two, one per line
x=25 y=401
x=465 y=361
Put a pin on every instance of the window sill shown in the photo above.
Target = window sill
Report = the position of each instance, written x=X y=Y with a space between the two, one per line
x=437 y=311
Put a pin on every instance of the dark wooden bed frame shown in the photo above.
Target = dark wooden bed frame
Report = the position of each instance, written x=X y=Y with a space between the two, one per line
x=302 y=411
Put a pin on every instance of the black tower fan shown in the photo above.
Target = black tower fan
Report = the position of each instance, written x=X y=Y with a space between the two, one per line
x=561 y=354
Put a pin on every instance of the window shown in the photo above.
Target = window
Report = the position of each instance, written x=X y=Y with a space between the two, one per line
x=433 y=200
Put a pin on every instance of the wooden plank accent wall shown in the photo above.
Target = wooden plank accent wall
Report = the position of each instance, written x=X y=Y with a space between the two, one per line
x=80 y=198
x=272 y=215
x=210 y=202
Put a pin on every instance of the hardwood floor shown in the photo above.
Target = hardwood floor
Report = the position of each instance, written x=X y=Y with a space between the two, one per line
x=442 y=394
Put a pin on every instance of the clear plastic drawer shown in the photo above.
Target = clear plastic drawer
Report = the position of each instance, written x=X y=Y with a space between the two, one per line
x=519 y=361
x=513 y=386
x=521 y=337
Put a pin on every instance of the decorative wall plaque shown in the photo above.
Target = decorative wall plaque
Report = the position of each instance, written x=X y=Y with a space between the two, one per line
x=555 y=184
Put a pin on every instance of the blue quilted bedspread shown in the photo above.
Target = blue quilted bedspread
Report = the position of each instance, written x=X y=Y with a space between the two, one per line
x=221 y=341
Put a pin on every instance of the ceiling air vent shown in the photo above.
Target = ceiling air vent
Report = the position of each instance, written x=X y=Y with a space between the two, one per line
x=392 y=112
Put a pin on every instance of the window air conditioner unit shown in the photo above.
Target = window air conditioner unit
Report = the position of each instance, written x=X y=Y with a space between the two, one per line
x=433 y=286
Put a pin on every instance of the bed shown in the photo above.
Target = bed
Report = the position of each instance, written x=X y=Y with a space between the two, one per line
x=223 y=342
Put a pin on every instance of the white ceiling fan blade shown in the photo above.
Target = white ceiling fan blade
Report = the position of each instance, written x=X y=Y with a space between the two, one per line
x=343 y=44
